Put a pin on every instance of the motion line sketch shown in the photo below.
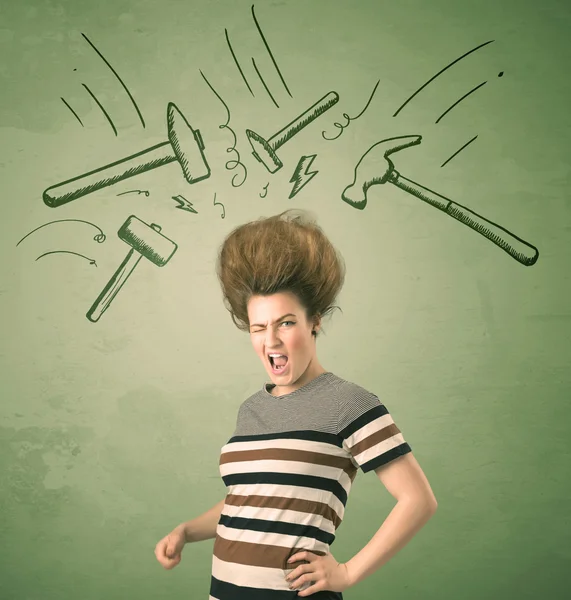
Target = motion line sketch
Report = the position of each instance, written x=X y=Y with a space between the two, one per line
x=375 y=167
x=448 y=66
x=269 y=51
x=99 y=238
x=91 y=260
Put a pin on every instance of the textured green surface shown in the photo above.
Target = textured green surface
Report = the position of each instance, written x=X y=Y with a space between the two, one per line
x=110 y=431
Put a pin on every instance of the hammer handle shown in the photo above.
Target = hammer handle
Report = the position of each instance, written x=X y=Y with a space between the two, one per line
x=71 y=189
x=114 y=285
x=283 y=135
x=517 y=248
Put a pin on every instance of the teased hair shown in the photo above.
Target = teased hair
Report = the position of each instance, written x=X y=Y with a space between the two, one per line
x=284 y=253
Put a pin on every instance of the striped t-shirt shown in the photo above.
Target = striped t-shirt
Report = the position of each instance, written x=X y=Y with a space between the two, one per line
x=288 y=468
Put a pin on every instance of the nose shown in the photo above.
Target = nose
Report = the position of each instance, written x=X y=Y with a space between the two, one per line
x=272 y=339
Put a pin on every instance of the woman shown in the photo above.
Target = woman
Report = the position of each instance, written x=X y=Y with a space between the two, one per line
x=300 y=440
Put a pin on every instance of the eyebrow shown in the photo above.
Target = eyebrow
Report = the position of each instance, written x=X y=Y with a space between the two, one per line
x=282 y=317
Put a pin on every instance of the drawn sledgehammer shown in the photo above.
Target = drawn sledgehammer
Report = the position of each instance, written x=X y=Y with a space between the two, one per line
x=265 y=150
x=184 y=144
x=375 y=167
x=146 y=241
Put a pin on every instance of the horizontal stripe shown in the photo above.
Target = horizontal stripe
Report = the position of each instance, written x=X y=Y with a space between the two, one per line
x=379 y=461
x=284 y=453
x=223 y=590
x=228 y=591
x=305 y=463
x=374 y=413
x=300 y=467
x=280 y=496
x=287 y=479
x=287 y=439
x=269 y=556
x=311 y=436
x=382 y=427
x=377 y=449
x=266 y=528
x=230 y=583
x=285 y=509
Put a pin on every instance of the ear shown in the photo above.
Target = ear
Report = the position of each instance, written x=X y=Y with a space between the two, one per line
x=317 y=323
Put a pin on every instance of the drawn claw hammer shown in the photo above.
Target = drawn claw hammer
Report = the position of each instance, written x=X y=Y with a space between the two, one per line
x=376 y=167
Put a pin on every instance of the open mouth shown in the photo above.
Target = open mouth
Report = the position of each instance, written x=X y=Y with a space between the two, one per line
x=279 y=365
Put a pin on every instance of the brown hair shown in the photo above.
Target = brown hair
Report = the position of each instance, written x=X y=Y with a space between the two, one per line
x=284 y=253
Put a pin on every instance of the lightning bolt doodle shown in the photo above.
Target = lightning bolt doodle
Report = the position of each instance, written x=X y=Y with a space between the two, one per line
x=301 y=175
x=184 y=204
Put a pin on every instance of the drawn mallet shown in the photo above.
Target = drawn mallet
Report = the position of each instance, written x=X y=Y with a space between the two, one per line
x=145 y=240
x=184 y=145
x=376 y=167
x=265 y=150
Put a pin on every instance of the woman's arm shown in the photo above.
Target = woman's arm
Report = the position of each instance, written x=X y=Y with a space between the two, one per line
x=204 y=526
x=406 y=482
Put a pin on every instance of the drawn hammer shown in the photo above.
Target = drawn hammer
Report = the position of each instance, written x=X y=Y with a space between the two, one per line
x=146 y=241
x=375 y=167
x=265 y=150
x=184 y=144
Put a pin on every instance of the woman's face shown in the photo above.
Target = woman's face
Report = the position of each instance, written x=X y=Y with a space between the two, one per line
x=278 y=325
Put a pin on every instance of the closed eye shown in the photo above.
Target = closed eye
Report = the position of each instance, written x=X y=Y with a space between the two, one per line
x=292 y=322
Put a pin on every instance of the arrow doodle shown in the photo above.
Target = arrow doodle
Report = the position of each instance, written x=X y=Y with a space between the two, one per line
x=301 y=176
x=91 y=260
x=99 y=238
x=146 y=192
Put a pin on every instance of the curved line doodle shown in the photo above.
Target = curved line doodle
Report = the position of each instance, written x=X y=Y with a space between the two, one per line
x=349 y=119
x=375 y=167
x=91 y=260
x=500 y=74
x=458 y=151
x=74 y=113
x=459 y=100
x=232 y=163
x=117 y=76
x=146 y=192
x=264 y=83
x=99 y=238
x=236 y=61
x=269 y=51
x=101 y=108
x=439 y=73
x=220 y=204
x=265 y=189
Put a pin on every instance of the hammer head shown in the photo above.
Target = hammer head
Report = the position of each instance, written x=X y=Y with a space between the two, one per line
x=187 y=145
x=147 y=240
x=375 y=167
x=263 y=152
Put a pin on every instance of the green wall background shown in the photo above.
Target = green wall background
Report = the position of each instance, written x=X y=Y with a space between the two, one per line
x=111 y=431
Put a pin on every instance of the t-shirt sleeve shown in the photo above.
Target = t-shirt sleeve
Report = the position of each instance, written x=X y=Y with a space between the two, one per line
x=367 y=429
